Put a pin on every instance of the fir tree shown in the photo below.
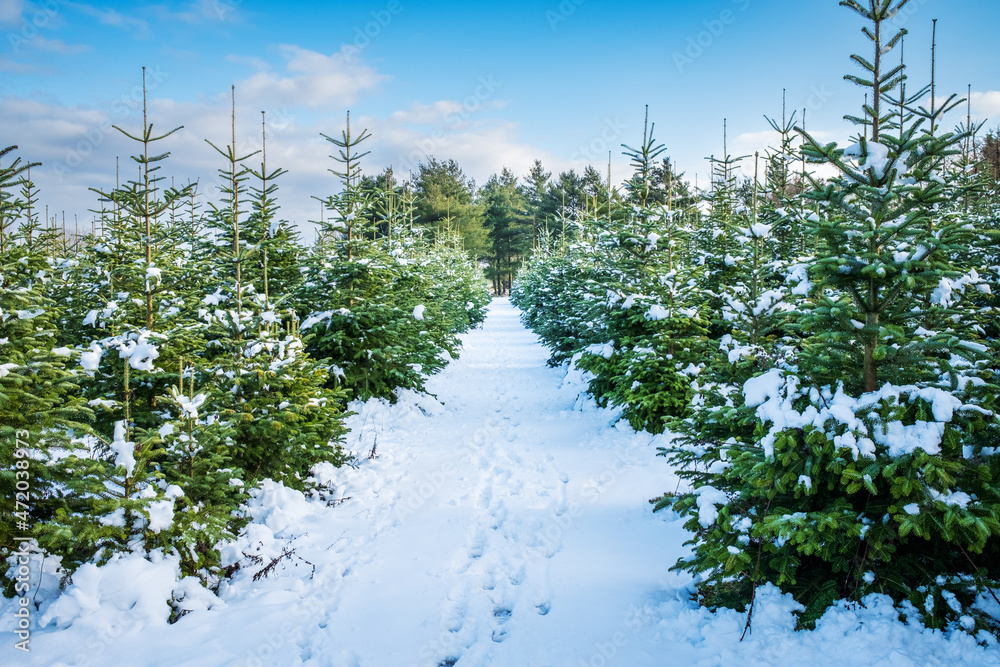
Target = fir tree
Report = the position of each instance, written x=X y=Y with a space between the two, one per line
x=871 y=452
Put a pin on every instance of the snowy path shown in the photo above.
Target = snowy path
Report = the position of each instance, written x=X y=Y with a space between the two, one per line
x=507 y=525
x=510 y=524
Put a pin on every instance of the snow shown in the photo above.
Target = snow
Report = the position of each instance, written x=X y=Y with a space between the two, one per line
x=91 y=359
x=708 y=500
x=418 y=312
x=800 y=278
x=902 y=439
x=99 y=601
x=161 y=515
x=657 y=312
x=124 y=451
x=189 y=406
x=773 y=394
x=139 y=352
x=762 y=388
x=504 y=523
x=214 y=299
x=315 y=319
x=606 y=350
x=954 y=498
x=876 y=157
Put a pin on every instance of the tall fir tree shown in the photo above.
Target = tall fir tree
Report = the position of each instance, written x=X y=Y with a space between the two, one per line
x=869 y=465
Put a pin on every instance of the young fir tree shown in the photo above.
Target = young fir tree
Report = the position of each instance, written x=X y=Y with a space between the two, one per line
x=777 y=205
x=535 y=186
x=656 y=333
x=274 y=264
x=444 y=203
x=40 y=403
x=264 y=385
x=116 y=498
x=370 y=306
x=128 y=276
x=871 y=462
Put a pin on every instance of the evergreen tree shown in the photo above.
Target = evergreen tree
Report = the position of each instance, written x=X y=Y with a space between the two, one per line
x=445 y=203
x=535 y=187
x=871 y=454
x=40 y=403
x=264 y=385
x=510 y=229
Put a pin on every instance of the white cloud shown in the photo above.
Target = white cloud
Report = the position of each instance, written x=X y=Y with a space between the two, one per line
x=223 y=11
x=57 y=46
x=763 y=138
x=113 y=18
x=481 y=147
x=219 y=10
x=309 y=95
x=78 y=147
x=15 y=67
x=986 y=104
x=11 y=11
x=312 y=80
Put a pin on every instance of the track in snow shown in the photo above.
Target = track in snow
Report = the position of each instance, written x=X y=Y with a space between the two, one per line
x=466 y=559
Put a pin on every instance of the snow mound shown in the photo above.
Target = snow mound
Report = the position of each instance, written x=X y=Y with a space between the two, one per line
x=131 y=587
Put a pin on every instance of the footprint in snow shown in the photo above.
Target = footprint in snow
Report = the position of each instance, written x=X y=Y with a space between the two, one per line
x=476 y=543
x=453 y=614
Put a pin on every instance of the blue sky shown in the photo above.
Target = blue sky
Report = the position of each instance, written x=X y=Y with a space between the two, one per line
x=489 y=84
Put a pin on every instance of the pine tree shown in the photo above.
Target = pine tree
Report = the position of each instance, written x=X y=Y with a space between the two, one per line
x=510 y=229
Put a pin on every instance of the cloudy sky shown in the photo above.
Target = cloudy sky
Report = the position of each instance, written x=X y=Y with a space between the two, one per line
x=489 y=84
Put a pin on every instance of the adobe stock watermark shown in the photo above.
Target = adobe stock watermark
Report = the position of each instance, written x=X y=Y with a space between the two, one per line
x=485 y=90
x=96 y=136
x=818 y=97
x=290 y=632
x=364 y=35
x=562 y=13
x=596 y=149
x=636 y=619
x=40 y=19
x=275 y=122
x=22 y=516
x=900 y=18
x=224 y=8
x=550 y=537
x=714 y=28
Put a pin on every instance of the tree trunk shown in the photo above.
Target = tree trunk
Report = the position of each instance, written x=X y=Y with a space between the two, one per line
x=871 y=365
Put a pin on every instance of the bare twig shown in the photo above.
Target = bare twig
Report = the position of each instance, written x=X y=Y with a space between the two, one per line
x=974 y=567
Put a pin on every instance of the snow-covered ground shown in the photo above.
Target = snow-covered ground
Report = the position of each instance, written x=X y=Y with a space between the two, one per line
x=507 y=525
